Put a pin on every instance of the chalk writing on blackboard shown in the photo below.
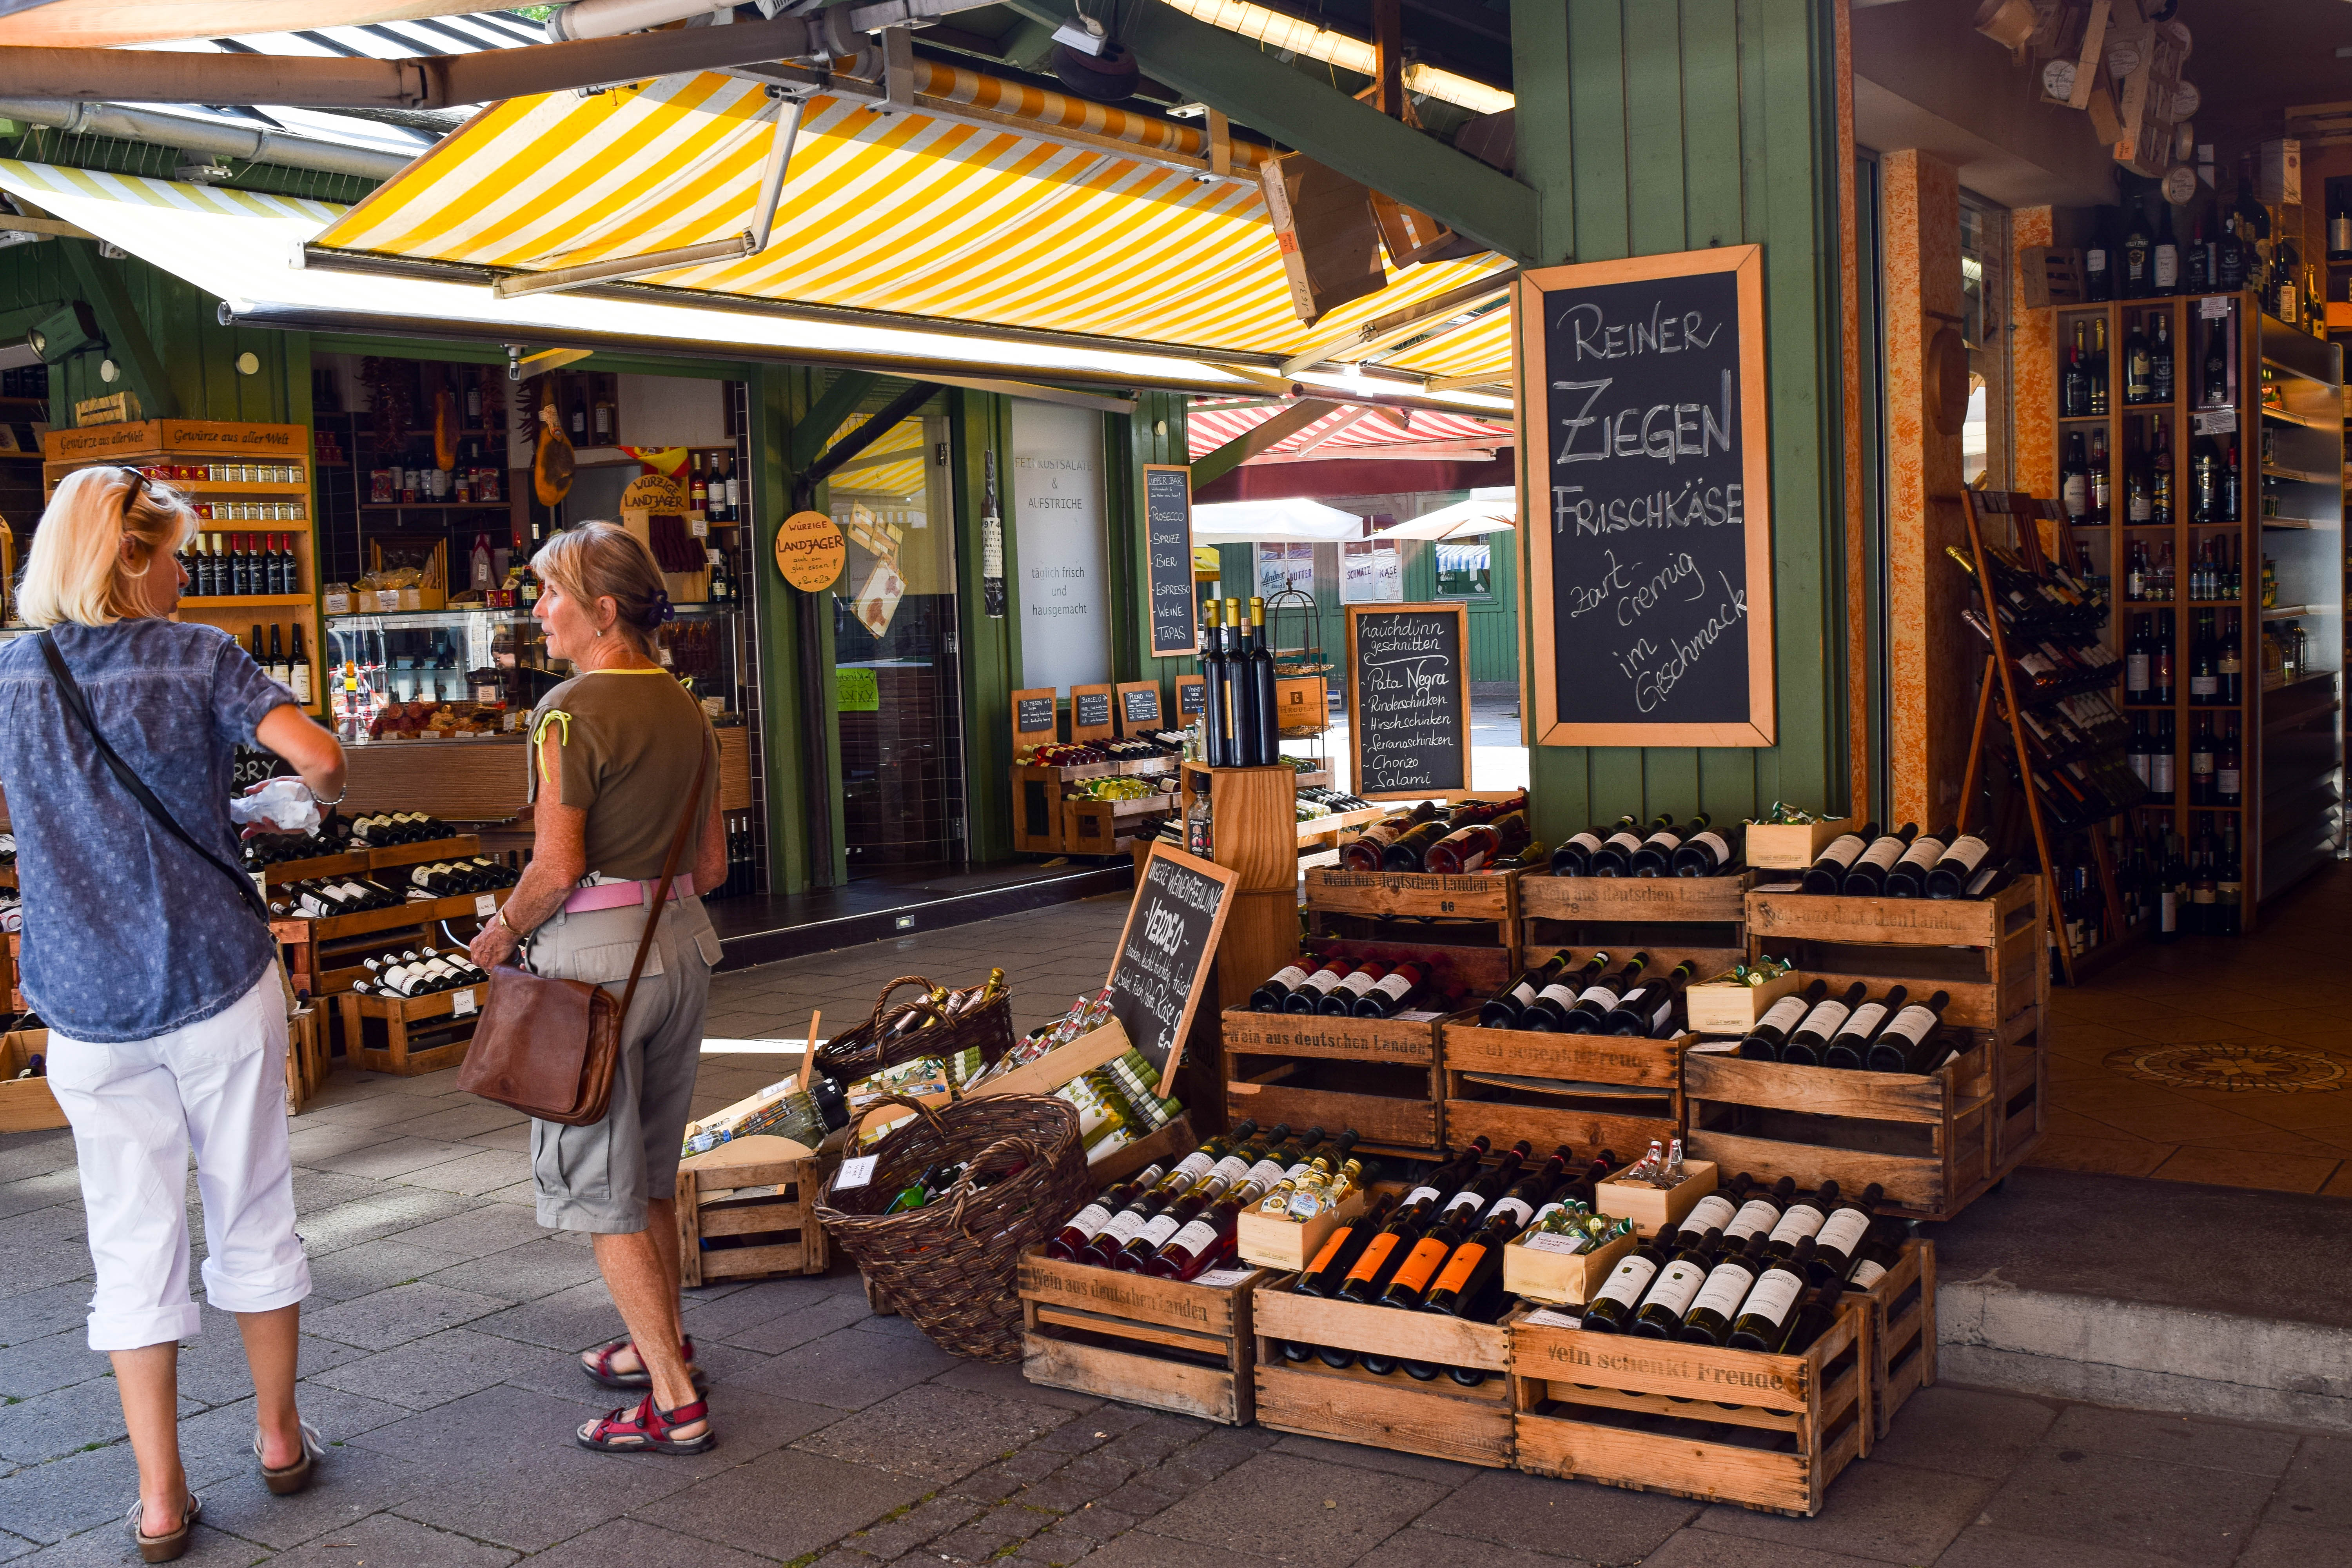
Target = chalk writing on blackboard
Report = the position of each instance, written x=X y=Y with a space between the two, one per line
x=1164 y=953
x=1409 y=732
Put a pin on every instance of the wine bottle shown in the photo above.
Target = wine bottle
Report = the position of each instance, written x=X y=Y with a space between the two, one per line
x=1548 y=1013
x=1329 y=1265
x=1391 y=994
x=1878 y=1254
x=1615 y=855
x=1804 y=1044
x=1174 y=1217
x=1827 y=873
x=1813 y=1319
x=1850 y=1046
x=1464 y=851
x=1708 y=1319
x=1763 y=1043
x=1659 y=1315
x=1764 y=1317
x=1233 y=670
x=1318 y=1161
x=1462 y=1217
x=1611 y=1309
x=1908 y=877
x=1864 y=876
x=1802 y=1219
x=1503 y=1010
x=1275 y=988
x=1713 y=1211
x=1759 y=1212
x=1308 y=997
x=1406 y=854
x=1476 y=1265
x=1597 y=998
x=1208 y=1236
x=1260 y=680
x=1708 y=852
x=1574 y=856
x=1343 y=997
x=1952 y=874
x=1645 y=1009
x=1655 y=858
x=1088 y=1222
x=1837 y=1242
x=1380 y=1259
x=1912 y=1040
x=1216 y=684
x=1214 y=1157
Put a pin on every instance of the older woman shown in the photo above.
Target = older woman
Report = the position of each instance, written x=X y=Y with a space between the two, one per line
x=160 y=985
x=616 y=751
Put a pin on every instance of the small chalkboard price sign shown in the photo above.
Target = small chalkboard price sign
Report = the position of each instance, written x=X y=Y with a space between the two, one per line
x=1033 y=717
x=1408 y=701
x=1090 y=713
x=1649 y=482
x=1168 y=549
x=1138 y=707
x=1165 y=952
x=1192 y=698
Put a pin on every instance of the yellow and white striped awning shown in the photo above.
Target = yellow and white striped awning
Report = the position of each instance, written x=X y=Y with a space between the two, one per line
x=914 y=213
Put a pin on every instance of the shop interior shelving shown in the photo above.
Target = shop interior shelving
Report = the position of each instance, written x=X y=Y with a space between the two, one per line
x=2277 y=405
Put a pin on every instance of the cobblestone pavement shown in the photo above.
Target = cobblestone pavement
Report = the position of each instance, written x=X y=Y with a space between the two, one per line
x=437 y=1360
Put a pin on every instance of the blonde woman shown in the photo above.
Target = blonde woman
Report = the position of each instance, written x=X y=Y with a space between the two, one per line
x=615 y=755
x=159 y=986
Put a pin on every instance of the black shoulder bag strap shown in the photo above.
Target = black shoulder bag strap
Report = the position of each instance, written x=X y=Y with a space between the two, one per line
x=69 y=694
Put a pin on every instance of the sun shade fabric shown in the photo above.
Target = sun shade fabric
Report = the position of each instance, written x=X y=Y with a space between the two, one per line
x=1208 y=429
x=1294 y=518
x=909 y=213
x=892 y=466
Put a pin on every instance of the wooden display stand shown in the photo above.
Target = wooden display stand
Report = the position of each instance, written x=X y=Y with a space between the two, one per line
x=747 y=1210
x=379 y=1031
x=1373 y=1075
x=1171 y=1344
x=1112 y=826
x=1440 y=1419
x=232 y=447
x=27 y=1104
x=1585 y=1406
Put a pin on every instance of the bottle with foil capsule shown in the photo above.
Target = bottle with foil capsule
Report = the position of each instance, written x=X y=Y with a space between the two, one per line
x=1655 y=858
x=1216 y=689
x=1088 y=1222
x=1415 y=1213
x=1416 y=1278
x=1584 y=1019
x=1343 y=997
x=1308 y=995
x=1260 y=678
x=1615 y=855
x=1827 y=873
x=1547 y=1012
x=1574 y=856
x=1391 y=994
x=1502 y=1010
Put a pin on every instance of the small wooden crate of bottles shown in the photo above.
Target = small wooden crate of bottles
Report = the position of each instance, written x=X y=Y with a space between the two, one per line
x=1672 y=919
x=1172 y=1344
x=747 y=1210
x=27 y=1104
x=1443 y=1416
x=1767 y=1432
x=1902 y=1304
x=410 y=1036
x=1590 y=1092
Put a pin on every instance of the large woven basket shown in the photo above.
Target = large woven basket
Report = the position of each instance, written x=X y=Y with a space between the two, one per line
x=951 y=1266
x=867 y=1048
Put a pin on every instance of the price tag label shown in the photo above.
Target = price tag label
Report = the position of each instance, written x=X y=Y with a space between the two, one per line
x=461 y=1002
x=1218 y=1278
x=2217 y=422
x=2214 y=308
x=701 y=528
x=855 y=1173
x=1552 y=1319
x=260 y=883
x=485 y=905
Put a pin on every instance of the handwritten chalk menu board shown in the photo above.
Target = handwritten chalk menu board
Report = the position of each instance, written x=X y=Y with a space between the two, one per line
x=1408 y=701
x=1191 y=697
x=1138 y=707
x=1033 y=717
x=1167 y=552
x=1649 y=522
x=1164 y=953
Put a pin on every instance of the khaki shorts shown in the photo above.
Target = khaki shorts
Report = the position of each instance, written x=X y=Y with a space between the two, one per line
x=600 y=1177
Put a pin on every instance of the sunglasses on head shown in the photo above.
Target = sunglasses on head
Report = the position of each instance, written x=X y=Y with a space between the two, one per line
x=130 y=497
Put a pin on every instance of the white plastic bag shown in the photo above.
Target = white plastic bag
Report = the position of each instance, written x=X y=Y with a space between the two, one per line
x=286 y=804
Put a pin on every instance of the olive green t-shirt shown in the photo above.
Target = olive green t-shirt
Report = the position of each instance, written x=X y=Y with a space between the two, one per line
x=630 y=740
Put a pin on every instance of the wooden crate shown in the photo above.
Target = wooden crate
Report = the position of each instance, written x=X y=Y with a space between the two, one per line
x=26 y=1105
x=1928 y=1140
x=1648 y=1415
x=1378 y=1076
x=1578 y=1108
x=307 y=1059
x=1901 y=1307
x=415 y=912
x=1682 y=900
x=1037 y=802
x=1278 y=1242
x=761 y=1234
x=1791 y=846
x=1110 y=827
x=1440 y=1419
x=378 y=1030
x=1177 y=1345
x=1652 y=1209
x=1537 y=1274
x=1482 y=895
x=1732 y=1009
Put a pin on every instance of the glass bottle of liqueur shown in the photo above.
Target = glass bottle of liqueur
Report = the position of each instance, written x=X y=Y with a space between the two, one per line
x=1615 y=855
x=2213 y=381
x=1387 y=1250
x=2098 y=274
x=1216 y=689
x=1707 y=852
x=1868 y=873
x=2159 y=473
x=1655 y=858
x=1709 y=1318
x=1827 y=873
x=2102 y=506
x=2159 y=663
x=1599 y=998
x=2160 y=779
x=1850 y=1046
x=1767 y=1313
x=2139 y=371
x=1320 y=1189
x=1763 y=1043
x=2229 y=771
x=2159 y=358
x=1611 y=1309
x=1913 y=1039
x=2204 y=662
x=1908 y=877
x=1310 y=994
x=1259 y=679
x=1502 y=1010
x=1574 y=856
x=2074 y=380
x=1393 y=993
x=2137 y=269
x=1805 y=1042
x=2164 y=262
x=1647 y=1010
x=2098 y=368
x=1088 y=1222
x=1466 y=1214
x=2139 y=488
x=1547 y=1012
x=1232 y=669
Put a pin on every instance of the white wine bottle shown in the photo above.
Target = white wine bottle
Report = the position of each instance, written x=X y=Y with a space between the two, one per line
x=1827 y=873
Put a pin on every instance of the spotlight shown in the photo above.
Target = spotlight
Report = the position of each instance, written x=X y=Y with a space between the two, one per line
x=1092 y=64
x=65 y=331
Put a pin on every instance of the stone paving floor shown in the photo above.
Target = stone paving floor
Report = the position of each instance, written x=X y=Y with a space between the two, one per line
x=437 y=1360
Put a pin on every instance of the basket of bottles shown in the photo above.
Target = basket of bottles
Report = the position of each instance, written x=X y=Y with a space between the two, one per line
x=950 y=1265
x=1143 y=1294
x=938 y=1023
x=416 y=1013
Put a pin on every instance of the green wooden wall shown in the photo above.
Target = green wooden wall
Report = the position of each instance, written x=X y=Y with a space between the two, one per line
x=1654 y=126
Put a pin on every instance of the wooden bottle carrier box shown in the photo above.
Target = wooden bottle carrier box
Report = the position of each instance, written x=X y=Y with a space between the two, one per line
x=1111 y=827
x=1440 y=1419
x=1551 y=1089
x=1172 y=1344
x=1649 y=1414
x=382 y=1034
x=1901 y=1307
x=26 y=1105
x=755 y=1198
x=1938 y=1141
x=1702 y=919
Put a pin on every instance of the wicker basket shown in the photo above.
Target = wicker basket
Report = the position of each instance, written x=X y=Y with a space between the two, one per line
x=869 y=1048
x=951 y=1266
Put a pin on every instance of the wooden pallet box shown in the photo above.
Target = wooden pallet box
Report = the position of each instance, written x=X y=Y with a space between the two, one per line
x=382 y=1033
x=1680 y=899
x=1927 y=1139
x=1988 y=952
x=1178 y=1345
x=307 y=1059
x=1378 y=1076
x=1902 y=1304
x=1651 y=1414
x=1791 y=846
x=747 y=1210
x=27 y=1104
x=1440 y=1419
x=1481 y=896
x=1551 y=1089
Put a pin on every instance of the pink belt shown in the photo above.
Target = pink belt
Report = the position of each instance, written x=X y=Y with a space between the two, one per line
x=613 y=895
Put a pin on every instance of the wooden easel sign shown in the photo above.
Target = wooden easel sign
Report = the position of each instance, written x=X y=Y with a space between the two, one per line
x=1649 y=499
x=1165 y=952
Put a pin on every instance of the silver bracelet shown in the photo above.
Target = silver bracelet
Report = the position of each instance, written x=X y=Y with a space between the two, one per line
x=318 y=799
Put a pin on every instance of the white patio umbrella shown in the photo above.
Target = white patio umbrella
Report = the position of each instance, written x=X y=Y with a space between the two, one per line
x=1479 y=514
x=1251 y=522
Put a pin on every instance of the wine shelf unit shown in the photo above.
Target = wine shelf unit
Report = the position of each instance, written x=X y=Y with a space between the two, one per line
x=27 y=1104
x=181 y=442
x=1902 y=1334
x=1441 y=1417
x=410 y=1036
x=1171 y=1344
x=384 y=858
x=1584 y=1407
x=2286 y=827
x=759 y=1236
x=1550 y=1090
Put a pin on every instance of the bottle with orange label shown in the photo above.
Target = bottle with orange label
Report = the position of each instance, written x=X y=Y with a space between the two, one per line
x=1477 y=1263
x=1341 y=1249
x=1463 y=1219
x=1414 y=1215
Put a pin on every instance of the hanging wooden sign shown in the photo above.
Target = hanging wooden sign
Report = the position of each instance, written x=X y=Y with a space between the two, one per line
x=1649 y=515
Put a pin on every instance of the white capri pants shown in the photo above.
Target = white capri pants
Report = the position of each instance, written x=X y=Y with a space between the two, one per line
x=135 y=1109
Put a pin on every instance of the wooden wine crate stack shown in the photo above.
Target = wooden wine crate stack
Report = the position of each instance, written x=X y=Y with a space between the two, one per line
x=1183 y=1346
x=1672 y=919
x=1441 y=1417
x=1935 y=1142
x=1767 y=1432
x=409 y=1035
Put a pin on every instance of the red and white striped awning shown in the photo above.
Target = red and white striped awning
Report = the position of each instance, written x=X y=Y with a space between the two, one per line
x=1353 y=430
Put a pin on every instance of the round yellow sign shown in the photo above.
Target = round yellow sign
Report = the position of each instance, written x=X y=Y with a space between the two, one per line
x=809 y=551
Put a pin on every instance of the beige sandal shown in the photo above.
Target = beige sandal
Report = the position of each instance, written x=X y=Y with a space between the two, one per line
x=165 y=1548
x=295 y=1477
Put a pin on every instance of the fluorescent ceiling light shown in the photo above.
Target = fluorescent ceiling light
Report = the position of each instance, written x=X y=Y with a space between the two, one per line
x=1276 y=31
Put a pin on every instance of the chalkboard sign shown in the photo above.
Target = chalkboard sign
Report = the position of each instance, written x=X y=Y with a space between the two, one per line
x=248 y=767
x=1165 y=952
x=1033 y=722
x=1408 y=701
x=1089 y=710
x=1649 y=524
x=1138 y=707
x=1035 y=713
x=1191 y=696
x=1167 y=552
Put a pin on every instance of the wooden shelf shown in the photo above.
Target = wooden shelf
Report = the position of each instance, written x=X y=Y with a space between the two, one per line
x=2300 y=476
x=2308 y=421
x=247 y=602
x=239 y=487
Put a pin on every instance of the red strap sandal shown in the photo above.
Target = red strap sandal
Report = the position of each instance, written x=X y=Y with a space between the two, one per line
x=646 y=1429
x=599 y=1367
